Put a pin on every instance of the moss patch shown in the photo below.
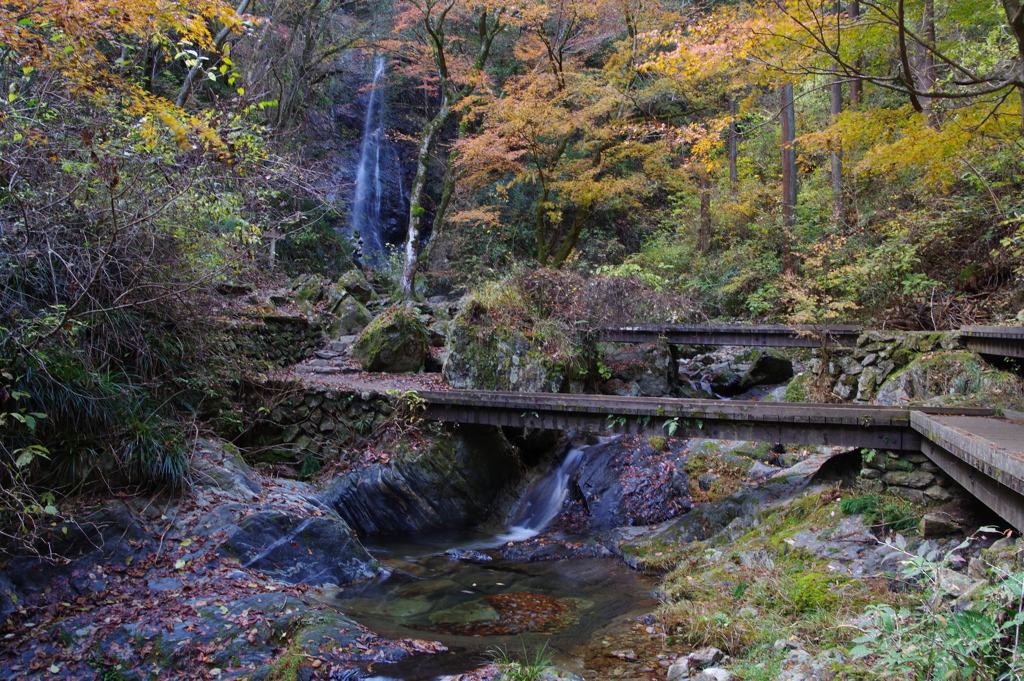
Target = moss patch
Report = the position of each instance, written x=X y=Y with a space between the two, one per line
x=395 y=341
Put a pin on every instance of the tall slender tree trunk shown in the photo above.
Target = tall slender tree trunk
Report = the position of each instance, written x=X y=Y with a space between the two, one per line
x=856 y=84
x=836 y=155
x=927 y=63
x=565 y=249
x=788 y=116
x=705 y=233
x=734 y=175
x=1014 y=10
x=416 y=210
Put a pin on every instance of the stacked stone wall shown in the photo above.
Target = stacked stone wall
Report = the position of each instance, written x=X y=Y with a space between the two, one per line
x=316 y=420
x=910 y=475
x=278 y=339
x=858 y=373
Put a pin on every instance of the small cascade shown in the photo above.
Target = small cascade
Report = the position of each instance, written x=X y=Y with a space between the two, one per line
x=543 y=500
x=366 y=205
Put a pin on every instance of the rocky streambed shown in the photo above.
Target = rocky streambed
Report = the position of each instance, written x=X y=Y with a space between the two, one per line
x=757 y=560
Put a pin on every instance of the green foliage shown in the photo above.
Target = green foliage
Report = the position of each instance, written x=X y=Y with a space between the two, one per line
x=529 y=665
x=973 y=640
x=883 y=511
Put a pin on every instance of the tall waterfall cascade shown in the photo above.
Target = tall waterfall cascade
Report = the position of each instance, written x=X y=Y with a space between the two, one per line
x=369 y=191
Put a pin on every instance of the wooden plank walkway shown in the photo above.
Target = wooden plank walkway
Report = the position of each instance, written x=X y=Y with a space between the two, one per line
x=848 y=425
x=1005 y=341
x=985 y=455
x=982 y=452
x=756 y=335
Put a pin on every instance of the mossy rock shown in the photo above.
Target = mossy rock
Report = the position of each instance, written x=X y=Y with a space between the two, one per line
x=394 y=342
x=308 y=292
x=958 y=378
x=351 y=317
x=484 y=354
x=357 y=286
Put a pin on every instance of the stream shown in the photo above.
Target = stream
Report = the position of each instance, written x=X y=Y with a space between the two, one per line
x=475 y=602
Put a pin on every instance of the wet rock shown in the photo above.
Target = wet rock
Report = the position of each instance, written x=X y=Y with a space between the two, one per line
x=705 y=657
x=474 y=612
x=449 y=483
x=297 y=547
x=627 y=655
x=468 y=555
x=639 y=369
x=394 y=342
x=628 y=482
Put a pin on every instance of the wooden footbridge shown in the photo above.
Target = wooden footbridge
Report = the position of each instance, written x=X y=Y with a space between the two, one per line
x=1006 y=341
x=982 y=449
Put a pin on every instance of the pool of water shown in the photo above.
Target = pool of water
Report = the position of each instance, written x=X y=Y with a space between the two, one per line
x=475 y=608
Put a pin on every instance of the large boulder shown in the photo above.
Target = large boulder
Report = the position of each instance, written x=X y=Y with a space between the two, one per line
x=356 y=285
x=750 y=370
x=393 y=342
x=628 y=482
x=292 y=544
x=292 y=536
x=638 y=369
x=450 y=482
x=488 y=352
x=350 y=317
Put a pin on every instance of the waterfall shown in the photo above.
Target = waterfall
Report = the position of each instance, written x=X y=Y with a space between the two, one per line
x=543 y=501
x=366 y=205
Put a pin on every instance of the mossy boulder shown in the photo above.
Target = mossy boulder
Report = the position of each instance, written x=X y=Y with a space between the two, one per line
x=350 y=317
x=958 y=378
x=357 y=286
x=309 y=290
x=393 y=342
x=487 y=352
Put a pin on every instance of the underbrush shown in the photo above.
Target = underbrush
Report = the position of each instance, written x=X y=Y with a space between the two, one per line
x=754 y=595
x=745 y=595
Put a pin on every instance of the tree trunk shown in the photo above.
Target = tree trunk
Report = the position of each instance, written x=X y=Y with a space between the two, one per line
x=565 y=249
x=734 y=176
x=927 y=68
x=788 y=117
x=1014 y=10
x=856 y=84
x=836 y=157
x=705 y=233
x=416 y=210
x=218 y=44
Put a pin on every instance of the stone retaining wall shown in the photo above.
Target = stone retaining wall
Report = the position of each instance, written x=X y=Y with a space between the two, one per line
x=278 y=339
x=858 y=373
x=910 y=475
x=315 y=419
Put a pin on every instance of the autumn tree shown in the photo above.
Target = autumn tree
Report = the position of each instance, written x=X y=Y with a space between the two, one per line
x=447 y=44
x=119 y=209
x=567 y=130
